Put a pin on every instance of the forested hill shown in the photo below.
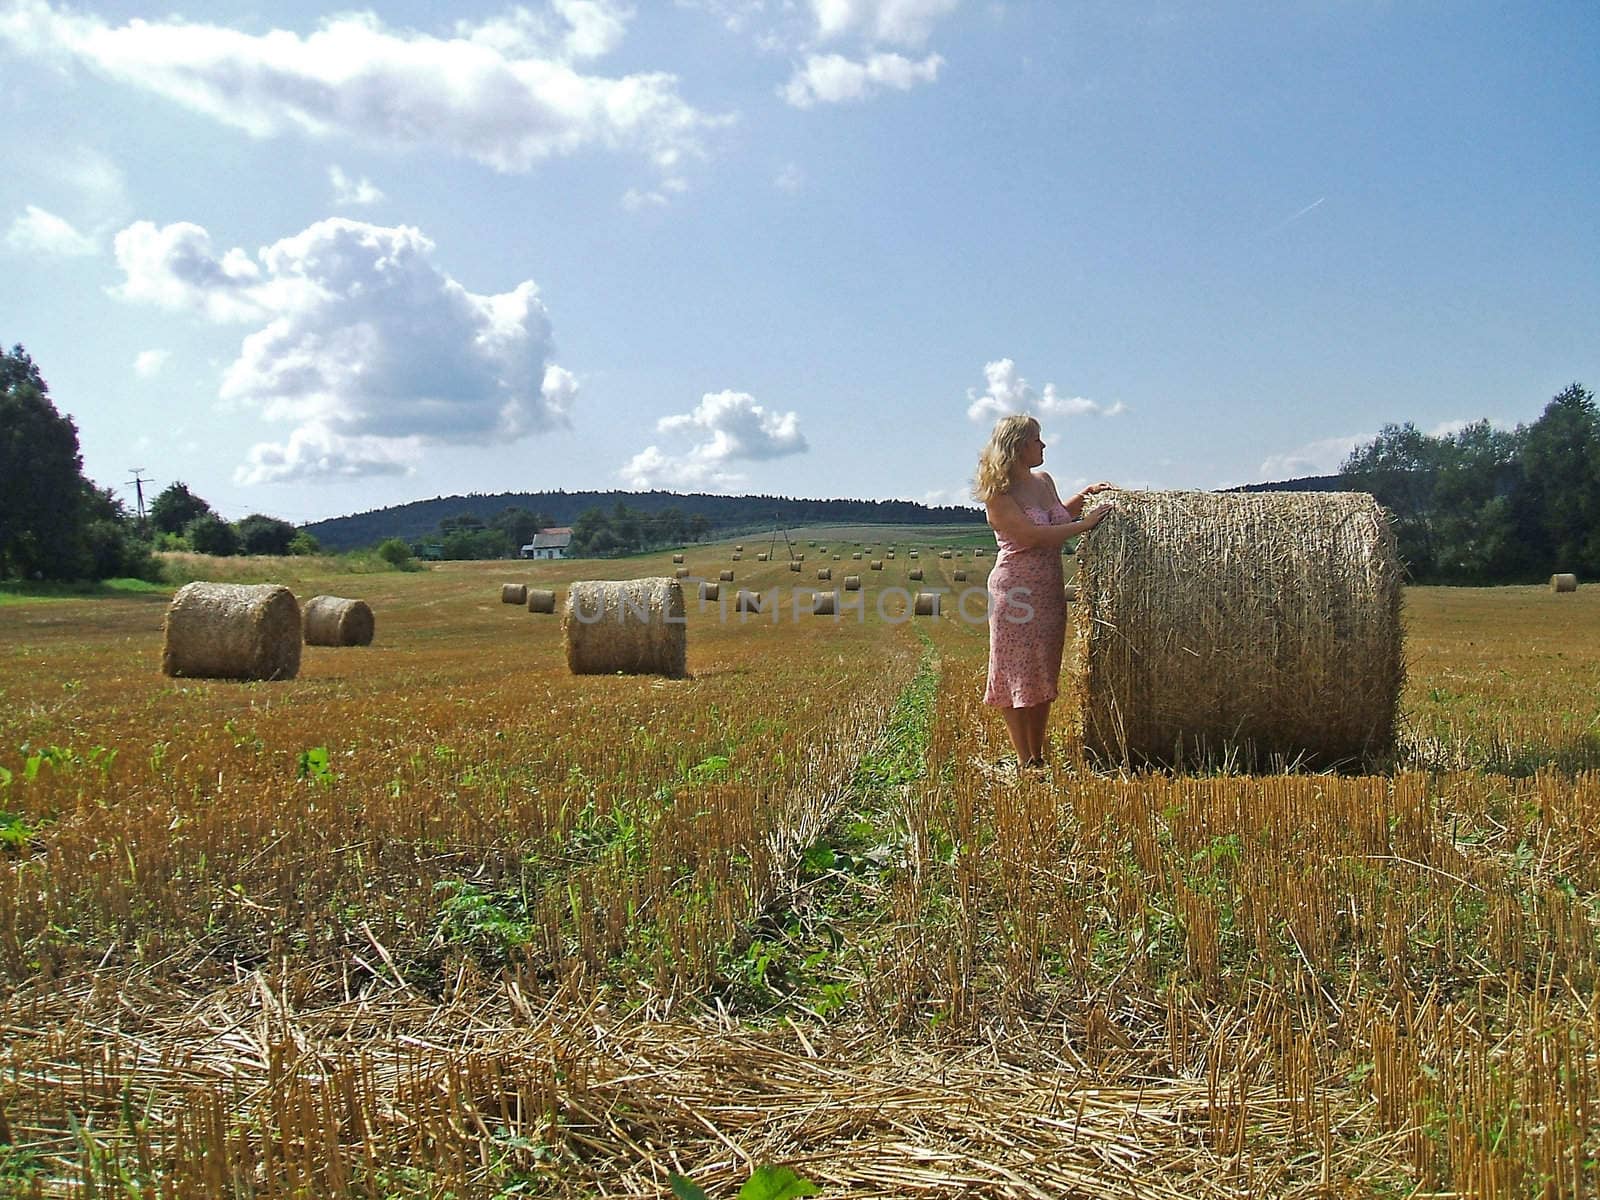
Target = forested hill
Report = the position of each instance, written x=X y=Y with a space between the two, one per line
x=420 y=519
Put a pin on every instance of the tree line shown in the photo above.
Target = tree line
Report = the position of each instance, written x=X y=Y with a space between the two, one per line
x=56 y=524
x=1485 y=505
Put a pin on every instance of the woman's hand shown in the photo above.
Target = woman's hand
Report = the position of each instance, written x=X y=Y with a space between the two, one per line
x=1098 y=513
x=1102 y=486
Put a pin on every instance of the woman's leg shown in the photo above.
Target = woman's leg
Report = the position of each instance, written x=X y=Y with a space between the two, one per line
x=1036 y=722
x=1016 y=720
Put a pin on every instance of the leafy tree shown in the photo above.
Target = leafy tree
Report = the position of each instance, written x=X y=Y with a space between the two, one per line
x=210 y=534
x=42 y=489
x=261 y=534
x=303 y=543
x=175 y=508
x=518 y=524
x=1398 y=467
x=1560 y=464
x=112 y=544
x=394 y=551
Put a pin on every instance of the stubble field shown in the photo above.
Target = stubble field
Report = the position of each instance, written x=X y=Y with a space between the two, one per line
x=437 y=918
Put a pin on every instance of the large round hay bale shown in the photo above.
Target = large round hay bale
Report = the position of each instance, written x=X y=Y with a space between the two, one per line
x=824 y=604
x=959 y=576
x=680 y=572
x=824 y=572
x=677 y=558
x=513 y=593
x=794 y=564
x=911 y=554
x=747 y=602
x=335 y=621
x=709 y=590
x=541 y=600
x=636 y=626
x=856 y=556
x=852 y=583
x=1256 y=626
x=1563 y=583
x=232 y=631
x=737 y=557
x=946 y=554
x=761 y=556
x=915 y=575
x=979 y=552
x=725 y=576
x=926 y=604
x=738 y=546
x=876 y=564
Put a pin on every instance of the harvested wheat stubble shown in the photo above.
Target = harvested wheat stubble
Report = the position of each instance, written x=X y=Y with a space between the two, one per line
x=926 y=604
x=335 y=621
x=824 y=604
x=513 y=593
x=725 y=576
x=1563 y=583
x=636 y=626
x=541 y=600
x=747 y=602
x=852 y=583
x=1259 y=626
x=232 y=631
x=710 y=591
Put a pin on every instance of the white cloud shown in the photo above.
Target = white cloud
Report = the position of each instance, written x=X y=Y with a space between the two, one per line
x=902 y=22
x=366 y=347
x=484 y=94
x=790 y=178
x=634 y=198
x=148 y=363
x=1006 y=392
x=731 y=428
x=39 y=232
x=835 y=79
x=1314 y=458
x=352 y=191
x=571 y=30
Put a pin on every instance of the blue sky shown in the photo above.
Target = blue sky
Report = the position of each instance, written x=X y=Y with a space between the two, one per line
x=315 y=260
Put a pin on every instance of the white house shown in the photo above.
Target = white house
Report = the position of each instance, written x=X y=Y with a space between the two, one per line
x=549 y=543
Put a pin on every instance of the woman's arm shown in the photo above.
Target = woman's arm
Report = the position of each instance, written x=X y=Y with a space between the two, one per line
x=1074 y=506
x=1008 y=520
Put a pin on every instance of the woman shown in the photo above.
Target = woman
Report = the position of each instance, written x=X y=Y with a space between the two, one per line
x=1027 y=597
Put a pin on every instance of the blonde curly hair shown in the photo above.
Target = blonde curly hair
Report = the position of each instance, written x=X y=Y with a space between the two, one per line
x=1000 y=455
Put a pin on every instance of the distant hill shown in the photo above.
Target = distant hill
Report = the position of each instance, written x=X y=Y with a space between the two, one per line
x=727 y=514
x=1310 y=483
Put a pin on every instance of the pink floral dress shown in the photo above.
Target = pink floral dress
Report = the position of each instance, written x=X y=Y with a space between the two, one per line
x=1027 y=618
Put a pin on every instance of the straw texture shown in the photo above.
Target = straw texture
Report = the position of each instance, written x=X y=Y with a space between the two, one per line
x=232 y=631
x=513 y=593
x=335 y=621
x=541 y=600
x=1563 y=583
x=635 y=626
x=1258 y=626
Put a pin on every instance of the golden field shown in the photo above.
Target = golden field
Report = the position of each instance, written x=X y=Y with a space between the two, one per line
x=437 y=918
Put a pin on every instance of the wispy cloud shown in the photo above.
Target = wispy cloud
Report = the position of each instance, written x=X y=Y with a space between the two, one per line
x=43 y=233
x=835 y=79
x=354 y=192
x=148 y=363
x=1292 y=218
x=1006 y=392
x=726 y=428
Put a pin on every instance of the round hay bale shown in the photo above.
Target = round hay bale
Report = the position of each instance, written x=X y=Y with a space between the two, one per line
x=762 y=556
x=926 y=604
x=856 y=557
x=677 y=558
x=636 y=626
x=1563 y=583
x=835 y=558
x=232 y=631
x=877 y=564
x=737 y=557
x=738 y=546
x=513 y=593
x=541 y=600
x=824 y=604
x=890 y=556
x=946 y=554
x=799 y=558
x=710 y=591
x=680 y=572
x=1261 y=626
x=911 y=554
x=747 y=602
x=725 y=576
x=979 y=552
x=824 y=572
x=852 y=583
x=335 y=621
x=915 y=575
x=959 y=576
x=794 y=565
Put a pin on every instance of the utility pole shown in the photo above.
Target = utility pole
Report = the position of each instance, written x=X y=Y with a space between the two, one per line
x=138 y=488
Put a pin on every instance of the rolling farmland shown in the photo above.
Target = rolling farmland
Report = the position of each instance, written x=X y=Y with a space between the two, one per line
x=439 y=918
